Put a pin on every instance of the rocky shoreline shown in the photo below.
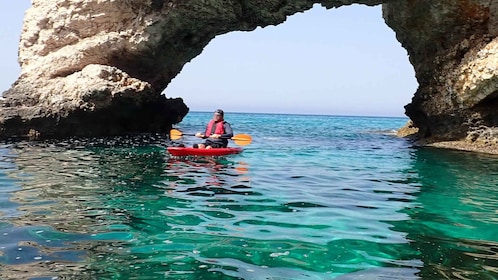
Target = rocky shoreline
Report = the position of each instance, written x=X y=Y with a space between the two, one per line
x=469 y=144
x=462 y=145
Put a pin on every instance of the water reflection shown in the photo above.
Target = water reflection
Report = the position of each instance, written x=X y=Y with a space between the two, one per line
x=454 y=227
x=130 y=211
x=60 y=204
x=211 y=176
x=59 y=186
x=73 y=208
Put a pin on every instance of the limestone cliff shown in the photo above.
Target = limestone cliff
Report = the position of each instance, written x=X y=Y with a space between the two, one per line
x=98 y=67
x=453 y=47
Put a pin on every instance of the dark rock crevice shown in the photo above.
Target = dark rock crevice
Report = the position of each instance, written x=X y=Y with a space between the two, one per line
x=123 y=116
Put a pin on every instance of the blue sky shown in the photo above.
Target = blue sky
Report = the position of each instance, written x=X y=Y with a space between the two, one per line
x=343 y=61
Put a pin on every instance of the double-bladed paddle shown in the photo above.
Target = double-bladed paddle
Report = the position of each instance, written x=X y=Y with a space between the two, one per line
x=239 y=139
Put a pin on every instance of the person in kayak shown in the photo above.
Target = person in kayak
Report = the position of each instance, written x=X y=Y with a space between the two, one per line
x=217 y=133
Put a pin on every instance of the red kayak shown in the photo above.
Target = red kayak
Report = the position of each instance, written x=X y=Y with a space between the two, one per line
x=185 y=151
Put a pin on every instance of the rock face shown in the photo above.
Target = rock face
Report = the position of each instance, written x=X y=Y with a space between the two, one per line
x=93 y=67
x=453 y=47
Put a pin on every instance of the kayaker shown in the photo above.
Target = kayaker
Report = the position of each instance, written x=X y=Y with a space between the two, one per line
x=217 y=133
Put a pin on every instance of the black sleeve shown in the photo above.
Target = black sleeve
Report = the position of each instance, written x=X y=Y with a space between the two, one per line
x=228 y=131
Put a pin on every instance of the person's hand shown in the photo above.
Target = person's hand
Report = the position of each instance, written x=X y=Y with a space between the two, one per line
x=200 y=135
x=216 y=136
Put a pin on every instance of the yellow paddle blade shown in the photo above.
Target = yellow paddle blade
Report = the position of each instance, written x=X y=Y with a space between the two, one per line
x=242 y=139
x=175 y=134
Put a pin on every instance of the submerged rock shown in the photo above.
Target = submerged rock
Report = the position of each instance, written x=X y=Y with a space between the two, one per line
x=93 y=67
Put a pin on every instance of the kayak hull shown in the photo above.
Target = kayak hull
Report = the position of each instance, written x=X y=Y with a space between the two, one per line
x=186 y=151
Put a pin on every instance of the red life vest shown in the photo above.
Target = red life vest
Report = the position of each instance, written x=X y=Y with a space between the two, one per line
x=219 y=129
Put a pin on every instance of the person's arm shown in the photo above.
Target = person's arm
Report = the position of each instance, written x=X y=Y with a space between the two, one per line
x=228 y=131
x=201 y=135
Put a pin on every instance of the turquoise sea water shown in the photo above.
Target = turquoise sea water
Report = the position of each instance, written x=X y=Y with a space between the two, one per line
x=312 y=197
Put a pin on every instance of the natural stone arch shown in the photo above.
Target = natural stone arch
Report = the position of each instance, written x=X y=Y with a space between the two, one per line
x=96 y=68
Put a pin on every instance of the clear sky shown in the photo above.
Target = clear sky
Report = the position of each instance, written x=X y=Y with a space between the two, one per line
x=343 y=61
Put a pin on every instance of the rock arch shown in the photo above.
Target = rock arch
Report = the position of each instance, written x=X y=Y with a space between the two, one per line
x=98 y=68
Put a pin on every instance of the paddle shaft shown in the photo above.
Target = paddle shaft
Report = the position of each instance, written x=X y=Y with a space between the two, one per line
x=205 y=137
x=240 y=139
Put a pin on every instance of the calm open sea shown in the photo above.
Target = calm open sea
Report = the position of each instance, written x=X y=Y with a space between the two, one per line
x=313 y=197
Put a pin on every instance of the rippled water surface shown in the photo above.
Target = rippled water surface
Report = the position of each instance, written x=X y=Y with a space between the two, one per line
x=312 y=197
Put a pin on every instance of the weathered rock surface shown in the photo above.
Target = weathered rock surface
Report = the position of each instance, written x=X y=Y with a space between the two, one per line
x=453 y=47
x=94 y=67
